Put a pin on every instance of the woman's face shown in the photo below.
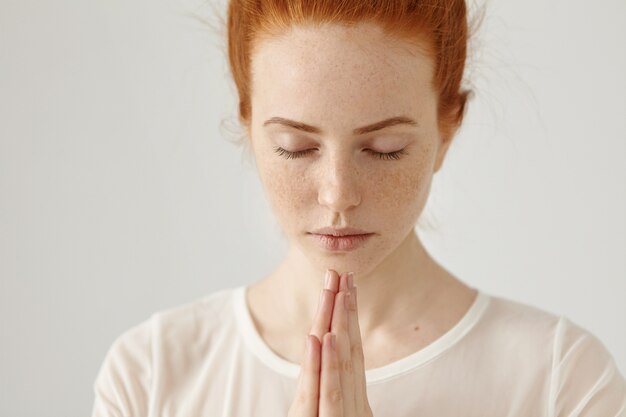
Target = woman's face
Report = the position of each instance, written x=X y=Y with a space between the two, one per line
x=338 y=80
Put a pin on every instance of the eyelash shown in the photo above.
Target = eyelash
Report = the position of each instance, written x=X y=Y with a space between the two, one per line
x=293 y=155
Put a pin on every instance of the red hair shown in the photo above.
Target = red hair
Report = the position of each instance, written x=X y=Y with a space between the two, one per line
x=440 y=25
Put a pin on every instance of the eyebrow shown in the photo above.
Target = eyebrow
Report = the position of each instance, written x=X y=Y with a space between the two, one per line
x=392 y=121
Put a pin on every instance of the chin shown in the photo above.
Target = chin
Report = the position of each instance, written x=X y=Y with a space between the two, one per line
x=360 y=260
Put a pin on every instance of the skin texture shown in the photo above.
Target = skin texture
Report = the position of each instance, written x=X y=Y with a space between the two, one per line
x=338 y=79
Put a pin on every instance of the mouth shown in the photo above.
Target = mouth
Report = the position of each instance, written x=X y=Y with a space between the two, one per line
x=340 y=243
x=340 y=231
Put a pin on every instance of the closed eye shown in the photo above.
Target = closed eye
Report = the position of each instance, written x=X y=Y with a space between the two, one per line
x=389 y=155
x=291 y=155
x=299 y=154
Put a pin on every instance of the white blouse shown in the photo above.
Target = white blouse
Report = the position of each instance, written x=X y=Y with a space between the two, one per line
x=503 y=358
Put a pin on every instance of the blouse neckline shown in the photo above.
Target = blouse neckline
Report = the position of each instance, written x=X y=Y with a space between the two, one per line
x=262 y=351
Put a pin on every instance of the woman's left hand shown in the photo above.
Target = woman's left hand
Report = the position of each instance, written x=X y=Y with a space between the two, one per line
x=342 y=383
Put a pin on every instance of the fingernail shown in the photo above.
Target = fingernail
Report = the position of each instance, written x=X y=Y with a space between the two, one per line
x=327 y=281
x=350 y=279
x=333 y=340
x=350 y=301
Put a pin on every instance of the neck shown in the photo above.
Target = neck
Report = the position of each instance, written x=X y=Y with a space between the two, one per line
x=407 y=277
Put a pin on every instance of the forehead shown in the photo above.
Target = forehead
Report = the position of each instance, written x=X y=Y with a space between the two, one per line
x=334 y=73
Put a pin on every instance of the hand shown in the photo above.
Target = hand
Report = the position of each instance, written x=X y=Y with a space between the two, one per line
x=332 y=380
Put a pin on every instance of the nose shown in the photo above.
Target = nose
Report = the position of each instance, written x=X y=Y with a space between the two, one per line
x=339 y=184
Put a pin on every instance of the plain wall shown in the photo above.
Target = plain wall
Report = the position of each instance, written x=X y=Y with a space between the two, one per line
x=121 y=193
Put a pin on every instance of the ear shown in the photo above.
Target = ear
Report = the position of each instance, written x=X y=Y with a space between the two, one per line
x=449 y=126
x=445 y=139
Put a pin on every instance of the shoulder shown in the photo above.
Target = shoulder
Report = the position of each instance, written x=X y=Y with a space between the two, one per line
x=187 y=320
x=507 y=309
x=518 y=325
x=524 y=321
x=585 y=377
x=177 y=322
x=124 y=381
x=582 y=376
x=525 y=324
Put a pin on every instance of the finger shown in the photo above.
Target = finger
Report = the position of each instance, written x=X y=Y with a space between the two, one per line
x=339 y=327
x=306 y=401
x=343 y=282
x=323 y=315
x=356 y=353
x=331 y=395
x=333 y=281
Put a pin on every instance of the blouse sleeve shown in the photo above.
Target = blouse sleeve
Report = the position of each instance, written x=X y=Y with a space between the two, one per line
x=585 y=379
x=122 y=385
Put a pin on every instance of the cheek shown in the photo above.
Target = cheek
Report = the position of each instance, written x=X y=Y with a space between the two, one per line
x=400 y=190
x=401 y=194
x=285 y=188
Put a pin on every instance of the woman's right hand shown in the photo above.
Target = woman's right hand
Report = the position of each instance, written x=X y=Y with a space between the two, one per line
x=305 y=403
x=332 y=379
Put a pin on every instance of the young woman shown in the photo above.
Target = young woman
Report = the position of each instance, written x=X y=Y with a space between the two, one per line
x=349 y=109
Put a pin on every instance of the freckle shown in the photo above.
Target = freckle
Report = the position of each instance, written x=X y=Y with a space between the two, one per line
x=416 y=328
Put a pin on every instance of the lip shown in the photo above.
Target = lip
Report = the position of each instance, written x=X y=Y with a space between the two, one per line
x=340 y=231
x=340 y=243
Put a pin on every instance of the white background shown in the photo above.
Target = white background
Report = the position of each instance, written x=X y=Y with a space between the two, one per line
x=120 y=193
